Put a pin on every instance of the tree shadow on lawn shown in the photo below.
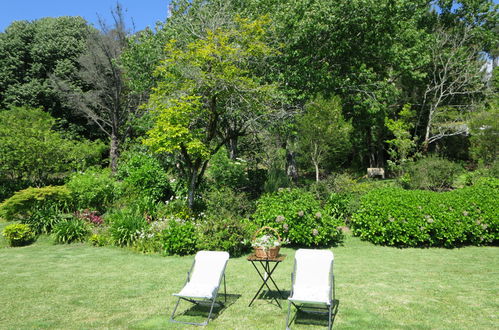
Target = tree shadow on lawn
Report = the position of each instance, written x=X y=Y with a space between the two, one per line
x=202 y=309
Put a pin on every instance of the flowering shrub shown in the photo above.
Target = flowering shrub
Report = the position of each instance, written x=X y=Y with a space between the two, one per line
x=95 y=189
x=424 y=218
x=90 y=216
x=298 y=217
x=126 y=226
x=223 y=233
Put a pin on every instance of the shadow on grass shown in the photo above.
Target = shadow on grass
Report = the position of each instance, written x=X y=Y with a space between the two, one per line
x=315 y=317
x=201 y=310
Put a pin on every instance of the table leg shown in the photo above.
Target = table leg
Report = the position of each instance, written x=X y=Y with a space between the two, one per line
x=268 y=271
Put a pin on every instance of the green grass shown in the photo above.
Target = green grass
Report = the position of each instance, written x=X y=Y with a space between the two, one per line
x=79 y=286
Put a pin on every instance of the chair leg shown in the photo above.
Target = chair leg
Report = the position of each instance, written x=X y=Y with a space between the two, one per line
x=329 y=319
x=287 y=317
x=175 y=309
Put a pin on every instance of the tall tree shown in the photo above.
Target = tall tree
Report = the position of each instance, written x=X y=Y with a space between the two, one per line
x=104 y=97
x=456 y=84
x=32 y=52
x=208 y=94
x=323 y=133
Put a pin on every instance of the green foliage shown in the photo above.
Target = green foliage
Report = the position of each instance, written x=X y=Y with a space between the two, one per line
x=18 y=234
x=25 y=202
x=33 y=151
x=143 y=175
x=323 y=133
x=93 y=189
x=485 y=135
x=208 y=94
x=125 y=226
x=179 y=237
x=224 y=172
x=71 y=230
x=405 y=218
x=225 y=202
x=35 y=51
x=217 y=233
x=430 y=173
x=298 y=217
x=43 y=219
x=403 y=144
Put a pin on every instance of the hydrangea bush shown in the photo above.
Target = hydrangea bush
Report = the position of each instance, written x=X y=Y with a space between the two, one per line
x=298 y=217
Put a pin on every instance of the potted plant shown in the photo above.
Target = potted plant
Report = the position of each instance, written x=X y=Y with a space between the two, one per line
x=266 y=245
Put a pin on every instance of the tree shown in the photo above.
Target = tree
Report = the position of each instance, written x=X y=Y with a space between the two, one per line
x=33 y=152
x=33 y=51
x=104 y=97
x=456 y=85
x=322 y=131
x=208 y=94
x=370 y=53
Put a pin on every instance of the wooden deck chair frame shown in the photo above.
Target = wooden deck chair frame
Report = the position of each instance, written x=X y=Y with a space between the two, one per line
x=315 y=309
x=201 y=300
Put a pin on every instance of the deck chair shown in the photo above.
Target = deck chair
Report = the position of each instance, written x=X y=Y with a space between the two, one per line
x=312 y=283
x=203 y=282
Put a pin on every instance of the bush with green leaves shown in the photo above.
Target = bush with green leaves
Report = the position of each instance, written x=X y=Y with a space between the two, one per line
x=430 y=173
x=143 y=175
x=93 y=189
x=298 y=217
x=44 y=219
x=18 y=234
x=179 y=237
x=25 y=202
x=226 y=202
x=126 y=226
x=406 y=218
x=71 y=230
x=224 y=172
x=224 y=234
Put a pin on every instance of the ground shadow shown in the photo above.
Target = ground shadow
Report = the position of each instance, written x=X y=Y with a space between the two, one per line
x=202 y=309
x=314 y=316
x=270 y=297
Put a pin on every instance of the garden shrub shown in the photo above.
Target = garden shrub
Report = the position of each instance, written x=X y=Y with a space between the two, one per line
x=24 y=202
x=224 y=172
x=43 y=219
x=179 y=237
x=298 y=217
x=150 y=239
x=430 y=173
x=405 y=218
x=224 y=234
x=93 y=189
x=18 y=234
x=143 y=175
x=71 y=230
x=126 y=226
x=227 y=202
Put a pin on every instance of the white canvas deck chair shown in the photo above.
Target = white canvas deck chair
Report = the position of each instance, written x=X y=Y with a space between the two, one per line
x=203 y=281
x=312 y=283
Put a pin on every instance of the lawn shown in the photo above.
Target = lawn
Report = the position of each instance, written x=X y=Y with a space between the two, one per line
x=79 y=286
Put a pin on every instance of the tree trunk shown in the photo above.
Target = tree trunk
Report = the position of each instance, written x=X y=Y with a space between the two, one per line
x=192 y=188
x=291 y=169
x=114 y=152
x=316 y=171
x=233 y=148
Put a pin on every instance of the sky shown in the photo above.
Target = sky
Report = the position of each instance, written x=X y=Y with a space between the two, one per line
x=143 y=12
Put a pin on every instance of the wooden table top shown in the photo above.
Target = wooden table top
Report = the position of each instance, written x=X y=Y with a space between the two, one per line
x=279 y=258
